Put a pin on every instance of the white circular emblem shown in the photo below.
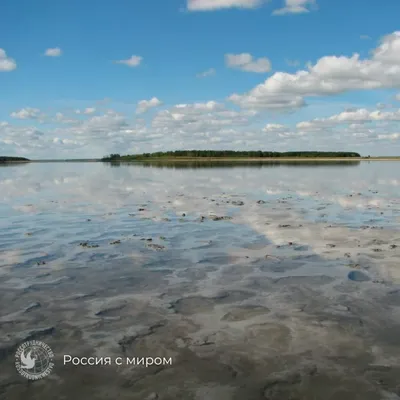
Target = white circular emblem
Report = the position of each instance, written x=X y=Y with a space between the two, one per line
x=34 y=360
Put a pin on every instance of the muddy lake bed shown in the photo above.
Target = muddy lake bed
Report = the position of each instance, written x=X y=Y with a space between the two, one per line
x=268 y=281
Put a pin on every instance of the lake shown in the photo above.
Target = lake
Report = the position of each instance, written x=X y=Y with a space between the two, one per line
x=234 y=281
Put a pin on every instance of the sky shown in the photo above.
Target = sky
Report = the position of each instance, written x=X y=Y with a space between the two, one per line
x=90 y=78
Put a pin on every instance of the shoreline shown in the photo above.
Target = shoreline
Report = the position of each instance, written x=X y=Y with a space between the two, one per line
x=261 y=159
x=218 y=159
x=255 y=160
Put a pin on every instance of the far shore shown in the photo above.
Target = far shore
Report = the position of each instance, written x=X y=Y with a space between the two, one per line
x=220 y=159
x=174 y=159
x=258 y=160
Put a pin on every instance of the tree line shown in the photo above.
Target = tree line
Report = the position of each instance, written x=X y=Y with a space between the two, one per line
x=231 y=154
x=4 y=159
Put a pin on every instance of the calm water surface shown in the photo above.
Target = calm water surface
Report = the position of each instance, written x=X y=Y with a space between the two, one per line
x=273 y=281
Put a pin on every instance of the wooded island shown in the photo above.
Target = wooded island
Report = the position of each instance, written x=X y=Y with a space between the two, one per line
x=228 y=154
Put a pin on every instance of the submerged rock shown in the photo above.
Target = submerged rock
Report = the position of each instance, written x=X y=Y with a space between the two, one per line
x=220 y=218
x=88 y=246
x=356 y=266
x=155 y=246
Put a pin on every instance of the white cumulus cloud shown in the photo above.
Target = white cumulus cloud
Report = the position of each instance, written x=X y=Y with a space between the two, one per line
x=133 y=61
x=145 y=105
x=330 y=75
x=97 y=126
x=26 y=113
x=358 y=116
x=7 y=64
x=201 y=126
x=200 y=119
x=53 y=52
x=246 y=62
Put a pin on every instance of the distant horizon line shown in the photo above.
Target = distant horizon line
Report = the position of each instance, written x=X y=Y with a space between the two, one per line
x=205 y=158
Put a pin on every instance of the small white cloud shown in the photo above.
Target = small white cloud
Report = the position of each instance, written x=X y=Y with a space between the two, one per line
x=209 y=72
x=53 y=52
x=26 y=113
x=365 y=37
x=295 y=7
x=397 y=97
x=7 y=64
x=212 y=5
x=145 y=105
x=246 y=62
x=132 y=62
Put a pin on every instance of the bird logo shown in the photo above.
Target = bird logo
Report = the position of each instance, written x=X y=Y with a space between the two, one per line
x=34 y=360
x=27 y=362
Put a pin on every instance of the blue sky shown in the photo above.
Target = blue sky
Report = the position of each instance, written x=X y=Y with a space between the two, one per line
x=202 y=74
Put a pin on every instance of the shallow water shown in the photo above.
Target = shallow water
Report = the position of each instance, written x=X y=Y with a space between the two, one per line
x=273 y=281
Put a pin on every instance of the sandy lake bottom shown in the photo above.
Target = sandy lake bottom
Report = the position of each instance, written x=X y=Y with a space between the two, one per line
x=269 y=282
